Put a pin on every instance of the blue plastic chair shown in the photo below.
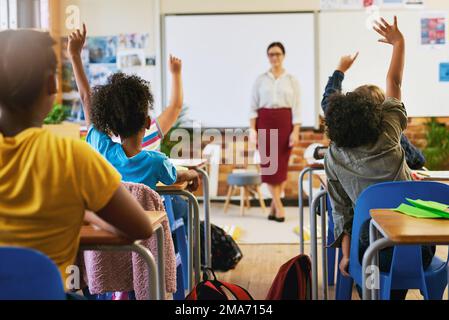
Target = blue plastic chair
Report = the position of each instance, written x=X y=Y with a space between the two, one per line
x=406 y=270
x=27 y=274
x=179 y=235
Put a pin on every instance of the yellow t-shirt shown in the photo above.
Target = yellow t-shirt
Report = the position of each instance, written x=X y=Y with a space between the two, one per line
x=46 y=184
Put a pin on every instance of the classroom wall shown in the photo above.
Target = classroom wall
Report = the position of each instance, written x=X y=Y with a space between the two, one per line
x=114 y=17
x=137 y=15
x=220 y=6
x=416 y=130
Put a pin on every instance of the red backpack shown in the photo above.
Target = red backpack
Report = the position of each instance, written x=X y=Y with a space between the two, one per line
x=216 y=290
x=293 y=281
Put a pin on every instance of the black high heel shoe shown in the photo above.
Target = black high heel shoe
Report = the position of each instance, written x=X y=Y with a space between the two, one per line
x=271 y=217
x=280 y=220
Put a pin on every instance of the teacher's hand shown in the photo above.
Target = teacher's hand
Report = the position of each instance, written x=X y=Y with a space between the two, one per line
x=294 y=138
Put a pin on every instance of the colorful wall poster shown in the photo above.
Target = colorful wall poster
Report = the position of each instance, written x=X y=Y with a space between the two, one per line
x=444 y=72
x=342 y=4
x=103 y=49
x=134 y=41
x=127 y=58
x=362 y=4
x=100 y=72
x=433 y=30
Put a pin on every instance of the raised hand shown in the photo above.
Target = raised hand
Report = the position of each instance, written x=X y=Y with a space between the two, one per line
x=175 y=65
x=77 y=40
x=346 y=62
x=390 y=33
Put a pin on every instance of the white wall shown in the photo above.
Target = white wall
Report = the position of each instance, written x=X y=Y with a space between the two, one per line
x=113 y=17
x=232 y=6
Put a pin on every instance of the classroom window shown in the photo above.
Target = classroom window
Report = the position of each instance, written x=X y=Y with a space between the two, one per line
x=24 y=14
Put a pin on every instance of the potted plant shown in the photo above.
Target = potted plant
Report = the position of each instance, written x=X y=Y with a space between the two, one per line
x=437 y=149
x=55 y=123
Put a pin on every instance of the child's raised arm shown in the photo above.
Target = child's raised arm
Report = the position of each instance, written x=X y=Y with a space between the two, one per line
x=392 y=35
x=170 y=115
x=77 y=40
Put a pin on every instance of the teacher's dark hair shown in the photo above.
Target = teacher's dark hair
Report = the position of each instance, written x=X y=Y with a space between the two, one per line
x=276 y=44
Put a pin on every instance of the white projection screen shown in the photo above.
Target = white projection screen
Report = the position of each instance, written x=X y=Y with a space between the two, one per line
x=224 y=53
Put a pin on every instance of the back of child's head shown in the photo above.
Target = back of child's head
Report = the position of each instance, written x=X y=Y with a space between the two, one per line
x=374 y=91
x=121 y=107
x=27 y=60
x=353 y=119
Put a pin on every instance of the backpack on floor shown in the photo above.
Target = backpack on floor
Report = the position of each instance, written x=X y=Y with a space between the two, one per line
x=293 y=281
x=217 y=290
x=226 y=254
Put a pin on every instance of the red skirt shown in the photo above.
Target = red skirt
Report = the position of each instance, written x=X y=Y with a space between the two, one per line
x=274 y=127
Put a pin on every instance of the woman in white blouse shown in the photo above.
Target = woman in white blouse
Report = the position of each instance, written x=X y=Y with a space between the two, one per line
x=275 y=120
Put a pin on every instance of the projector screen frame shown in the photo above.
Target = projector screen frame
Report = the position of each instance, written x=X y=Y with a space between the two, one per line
x=164 y=55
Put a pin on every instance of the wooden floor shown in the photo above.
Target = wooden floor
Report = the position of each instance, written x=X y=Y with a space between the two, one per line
x=260 y=264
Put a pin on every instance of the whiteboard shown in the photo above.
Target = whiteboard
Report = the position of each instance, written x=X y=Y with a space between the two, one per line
x=223 y=54
x=346 y=32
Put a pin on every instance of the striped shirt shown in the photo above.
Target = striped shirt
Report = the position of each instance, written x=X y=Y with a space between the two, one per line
x=153 y=137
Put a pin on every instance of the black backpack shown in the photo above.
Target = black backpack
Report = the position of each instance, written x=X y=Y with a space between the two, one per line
x=226 y=254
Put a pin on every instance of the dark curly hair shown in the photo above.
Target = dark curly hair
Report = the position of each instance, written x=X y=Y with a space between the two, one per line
x=121 y=106
x=353 y=120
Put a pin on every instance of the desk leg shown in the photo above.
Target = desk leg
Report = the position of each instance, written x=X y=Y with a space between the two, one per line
x=373 y=236
x=161 y=261
x=372 y=250
x=313 y=243
x=190 y=257
x=301 y=209
x=195 y=236
x=207 y=231
x=153 y=276
x=324 y=244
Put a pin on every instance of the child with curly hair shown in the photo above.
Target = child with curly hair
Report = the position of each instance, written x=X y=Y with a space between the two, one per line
x=365 y=132
x=121 y=108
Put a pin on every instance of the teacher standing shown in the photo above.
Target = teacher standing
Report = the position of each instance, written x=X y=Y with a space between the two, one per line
x=275 y=120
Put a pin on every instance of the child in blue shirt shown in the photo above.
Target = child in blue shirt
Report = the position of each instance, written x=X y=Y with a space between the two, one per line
x=121 y=108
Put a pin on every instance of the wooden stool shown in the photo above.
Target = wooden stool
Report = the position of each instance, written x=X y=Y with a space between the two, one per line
x=249 y=184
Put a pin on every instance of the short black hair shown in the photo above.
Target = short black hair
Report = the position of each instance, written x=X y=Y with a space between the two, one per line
x=276 y=44
x=26 y=58
x=353 y=120
x=121 y=106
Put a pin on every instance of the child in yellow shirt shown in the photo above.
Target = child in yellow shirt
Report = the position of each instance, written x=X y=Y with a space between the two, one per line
x=47 y=182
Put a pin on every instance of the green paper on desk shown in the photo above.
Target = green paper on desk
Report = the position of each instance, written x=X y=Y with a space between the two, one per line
x=417 y=212
x=435 y=207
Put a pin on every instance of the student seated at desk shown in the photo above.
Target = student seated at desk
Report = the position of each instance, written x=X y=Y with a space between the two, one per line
x=365 y=148
x=48 y=182
x=121 y=108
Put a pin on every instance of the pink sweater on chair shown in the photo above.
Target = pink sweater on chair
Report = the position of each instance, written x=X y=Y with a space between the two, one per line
x=123 y=271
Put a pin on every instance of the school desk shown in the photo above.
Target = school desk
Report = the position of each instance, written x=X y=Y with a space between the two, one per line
x=193 y=230
x=94 y=239
x=389 y=228
x=438 y=176
x=199 y=165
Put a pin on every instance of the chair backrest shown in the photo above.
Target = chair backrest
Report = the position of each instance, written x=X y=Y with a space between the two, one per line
x=149 y=199
x=390 y=195
x=26 y=274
